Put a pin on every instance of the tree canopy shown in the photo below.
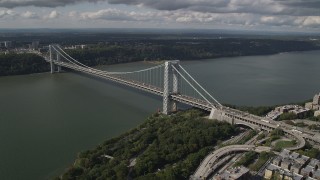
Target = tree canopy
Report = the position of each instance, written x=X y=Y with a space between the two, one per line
x=17 y=64
x=165 y=147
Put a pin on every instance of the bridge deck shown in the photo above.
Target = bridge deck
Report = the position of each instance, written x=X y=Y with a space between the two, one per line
x=241 y=117
x=139 y=85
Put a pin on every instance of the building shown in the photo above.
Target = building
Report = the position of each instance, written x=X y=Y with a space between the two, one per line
x=6 y=44
x=316 y=99
x=296 y=109
x=314 y=105
x=277 y=161
x=34 y=45
x=287 y=163
x=82 y=46
x=274 y=170
x=235 y=173
x=270 y=170
x=293 y=166
x=307 y=171
x=314 y=163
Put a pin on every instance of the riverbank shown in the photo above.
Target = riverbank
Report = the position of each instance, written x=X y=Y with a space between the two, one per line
x=163 y=146
x=24 y=64
x=21 y=64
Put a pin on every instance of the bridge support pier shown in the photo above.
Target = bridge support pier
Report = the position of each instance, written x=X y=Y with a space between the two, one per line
x=52 y=67
x=171 y=83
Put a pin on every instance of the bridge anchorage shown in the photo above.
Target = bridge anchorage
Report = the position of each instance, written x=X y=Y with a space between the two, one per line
x=169 y=80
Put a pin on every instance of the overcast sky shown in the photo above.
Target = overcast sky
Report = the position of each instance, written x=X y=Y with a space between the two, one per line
x=274 y=15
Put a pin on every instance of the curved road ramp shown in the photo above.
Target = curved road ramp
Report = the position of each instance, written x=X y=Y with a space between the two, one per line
x=300 y=140
x=209 y=164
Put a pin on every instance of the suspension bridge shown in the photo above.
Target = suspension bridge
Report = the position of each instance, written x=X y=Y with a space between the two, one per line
x=169 y=80
x=175 y=85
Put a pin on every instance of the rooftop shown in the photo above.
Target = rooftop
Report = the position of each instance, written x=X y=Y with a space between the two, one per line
x=284 y=153
x=296 y=109
x=314 y=162
x=233 y=173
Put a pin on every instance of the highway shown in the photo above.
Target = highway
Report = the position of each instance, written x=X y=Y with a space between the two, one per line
x=205 y=168
x=234 y=158
x=239 y=117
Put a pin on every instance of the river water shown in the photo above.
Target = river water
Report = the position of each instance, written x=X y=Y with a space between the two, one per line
x=45 y=120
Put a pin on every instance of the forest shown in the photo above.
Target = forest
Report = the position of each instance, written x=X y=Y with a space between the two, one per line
x=164 y=147
x=114 y=48
x=149 y=50
x=17 y=64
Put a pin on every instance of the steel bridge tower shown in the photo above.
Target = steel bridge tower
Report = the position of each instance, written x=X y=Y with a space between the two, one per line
x=171 y=84
x=57 y=58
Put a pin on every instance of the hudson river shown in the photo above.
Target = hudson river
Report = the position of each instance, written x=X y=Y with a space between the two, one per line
x=45 y=120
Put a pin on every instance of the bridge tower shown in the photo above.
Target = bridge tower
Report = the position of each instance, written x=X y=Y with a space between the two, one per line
x=58 y=58
x=51 y=59
x=171 y=85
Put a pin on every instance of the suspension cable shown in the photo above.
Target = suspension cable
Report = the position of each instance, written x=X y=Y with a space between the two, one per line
x=110 y=73
x=200 y=85
x=192 y=85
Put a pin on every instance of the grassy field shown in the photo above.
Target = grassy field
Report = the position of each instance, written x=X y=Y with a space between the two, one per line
x=284 y=144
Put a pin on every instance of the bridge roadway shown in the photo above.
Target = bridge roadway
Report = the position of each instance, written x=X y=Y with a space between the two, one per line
x=239 y=117
x=228 y=114
x=136 y=84
x=206 y=166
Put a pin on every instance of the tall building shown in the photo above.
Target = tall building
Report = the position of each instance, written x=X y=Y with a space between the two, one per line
x=6 y=44
x=35 y=45
x=316 y=99
x=314 y=105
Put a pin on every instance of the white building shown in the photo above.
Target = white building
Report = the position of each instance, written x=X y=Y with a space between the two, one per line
x=314 y=105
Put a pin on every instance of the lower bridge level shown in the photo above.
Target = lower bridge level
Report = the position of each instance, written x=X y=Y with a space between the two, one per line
x=234 y=116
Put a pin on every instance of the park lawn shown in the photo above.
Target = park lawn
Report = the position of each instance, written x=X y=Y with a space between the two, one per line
x=284 y=144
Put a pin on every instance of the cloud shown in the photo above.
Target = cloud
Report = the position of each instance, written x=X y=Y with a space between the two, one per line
x=30 y=15
x=40 y=3
x=203 y=18
x=73 y=14
x=109 y=14
x=7 y=13
x=53 y=15
x=264 y=7
x=179 y=16
x=311 y=21
x=211 y=13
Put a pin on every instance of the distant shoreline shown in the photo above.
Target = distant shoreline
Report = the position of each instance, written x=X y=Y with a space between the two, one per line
x=157 y=62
